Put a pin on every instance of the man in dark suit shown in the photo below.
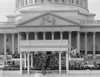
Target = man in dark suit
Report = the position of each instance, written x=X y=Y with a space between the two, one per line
x=47 y=62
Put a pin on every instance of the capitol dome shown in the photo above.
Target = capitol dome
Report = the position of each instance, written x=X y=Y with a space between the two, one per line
x=52 y=5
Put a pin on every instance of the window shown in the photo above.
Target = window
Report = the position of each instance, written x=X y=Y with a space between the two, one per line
x=57 y=35
x=65 y=35
x=23 y=36
x=48 y=36
x=40 y=36
x=31 y=36
x=89 y=52
x=97 y=52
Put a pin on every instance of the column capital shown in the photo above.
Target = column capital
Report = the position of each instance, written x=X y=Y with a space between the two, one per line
x=86 y=32
x=61 y=31
x=35 y=32
x=19 y=33
x=28 y=52
x=69 y=32
x=60 y=52
x=4 y=33
x=94 y=32
x=27 y=32
x=53 y=32
x=44 y=32
x=12 y=33
x=78 y=32
x=66 y=52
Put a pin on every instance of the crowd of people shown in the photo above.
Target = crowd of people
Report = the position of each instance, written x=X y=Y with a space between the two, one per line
x=16 y=55
x=74 y=54
x=83 y=66
x=11 y=65
x=39 y=62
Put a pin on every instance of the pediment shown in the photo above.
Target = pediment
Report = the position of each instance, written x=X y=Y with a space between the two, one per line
x=47 y=20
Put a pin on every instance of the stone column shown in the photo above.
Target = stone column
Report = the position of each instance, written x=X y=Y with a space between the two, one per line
x=67 y=62
x=86 y=4
x=69 y=41
x=44 y=34
x=24 y=2
x=28 y=62
x=25 y=58
x=60 y=1
x=61 y=35
x=52 y=35
x=19 y=41
x=59 y=62
x=12 y=43
x=74 y=2
x=94 y=34
x=85 y=43
x=80 y=2
x=20 y=62
x=5 y=44
x=78 y=42
x=31 y=60
x=35 y=35
x=27 y=36
x=67 y=1
x=28 y=2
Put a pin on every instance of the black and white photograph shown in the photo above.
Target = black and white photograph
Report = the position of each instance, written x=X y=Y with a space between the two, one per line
x=49 y=38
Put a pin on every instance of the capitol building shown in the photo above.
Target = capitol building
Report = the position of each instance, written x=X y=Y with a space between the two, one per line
x=64 y=28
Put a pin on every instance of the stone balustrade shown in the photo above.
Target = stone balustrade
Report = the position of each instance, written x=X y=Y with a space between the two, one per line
x=44 y=43
x=90 y=21
x=2 y=23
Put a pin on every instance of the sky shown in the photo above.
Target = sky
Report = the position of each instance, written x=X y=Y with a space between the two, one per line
x=7 y=7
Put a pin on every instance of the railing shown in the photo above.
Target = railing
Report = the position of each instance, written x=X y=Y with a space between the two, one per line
x=97 y=56
x=90 y=22
x=44 y=43
x=47 y=71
